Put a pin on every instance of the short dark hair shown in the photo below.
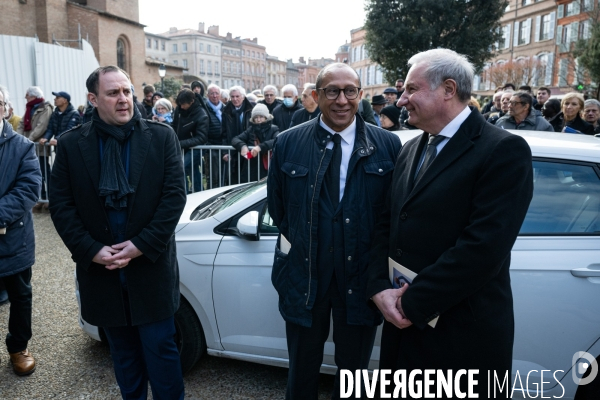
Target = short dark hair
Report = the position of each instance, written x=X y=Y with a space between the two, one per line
x=553 y=106
x=149 y=89
x=400 y=80
x=546 y=89
x=325 y=69
x=525 y=88
x=506 y=85
x=525 y=98
x=93 y=81
x=185 y=96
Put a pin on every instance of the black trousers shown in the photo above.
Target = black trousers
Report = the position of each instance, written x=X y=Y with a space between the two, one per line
x=18 y=287
x=353 y=346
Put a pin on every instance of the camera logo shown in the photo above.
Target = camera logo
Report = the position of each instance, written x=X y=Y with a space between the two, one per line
x=581 y=362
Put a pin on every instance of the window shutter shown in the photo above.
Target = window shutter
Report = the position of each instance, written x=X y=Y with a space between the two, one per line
x=576 y=7
x=549 y=69
x=552 y=23
x=528 y=31
x=561 y=11
x=586 y=29
x=507 y=37
x=538 y=28
x=559 y=29
x=574 y=32
x=516 y=34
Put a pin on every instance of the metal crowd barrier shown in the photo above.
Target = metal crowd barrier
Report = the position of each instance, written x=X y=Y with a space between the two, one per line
x=213 y=170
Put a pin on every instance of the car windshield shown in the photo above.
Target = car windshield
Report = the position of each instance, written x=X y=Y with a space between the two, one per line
x=226 y=199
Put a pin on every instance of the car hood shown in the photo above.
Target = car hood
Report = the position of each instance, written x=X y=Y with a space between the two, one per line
x=194 y=200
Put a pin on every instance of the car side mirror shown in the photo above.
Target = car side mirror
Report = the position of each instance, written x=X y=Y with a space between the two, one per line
x=247 y=226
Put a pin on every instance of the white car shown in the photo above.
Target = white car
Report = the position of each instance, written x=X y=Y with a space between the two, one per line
x=226 y=240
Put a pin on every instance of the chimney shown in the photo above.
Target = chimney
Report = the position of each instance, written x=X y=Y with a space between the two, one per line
x=172 y=29
x=229 y=36
x=301 y=60
x=201 y=27
x=255 y=40
x=213 y=30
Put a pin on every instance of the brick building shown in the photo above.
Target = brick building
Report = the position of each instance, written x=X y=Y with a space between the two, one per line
x=370 y=74
x=111 y=27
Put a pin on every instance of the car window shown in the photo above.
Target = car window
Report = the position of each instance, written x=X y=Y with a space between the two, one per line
x=566 y=200
x=226 y=199
x=267 y=226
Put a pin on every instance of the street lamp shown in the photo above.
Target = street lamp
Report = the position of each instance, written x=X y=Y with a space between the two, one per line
x=162 y=71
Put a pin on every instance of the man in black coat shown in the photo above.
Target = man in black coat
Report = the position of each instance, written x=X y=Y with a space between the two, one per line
x=191 y=123
x=459 y=195
x=270 y=98
x=236 y=116
x=282 y=114
x=118 y=194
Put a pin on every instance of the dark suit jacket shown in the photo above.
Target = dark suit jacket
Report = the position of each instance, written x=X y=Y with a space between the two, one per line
x=455 y=228
x=78 y=213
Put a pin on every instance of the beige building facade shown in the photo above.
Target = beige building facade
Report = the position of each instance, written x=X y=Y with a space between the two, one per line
x=371 y=77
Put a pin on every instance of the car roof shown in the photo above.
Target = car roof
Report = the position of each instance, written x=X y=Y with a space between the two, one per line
x=546 y=144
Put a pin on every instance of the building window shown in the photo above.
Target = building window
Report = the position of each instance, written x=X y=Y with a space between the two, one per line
x=573 y=8
x=156 y=44
x=208 y=48
x=121 y=54
x=526 y=2
x=505 y=41
x=149 y=43
x=201 y=47
x=201 y=66
x=175 y=62
x=163 y=46
x=545 y=28
x=185 y=63
x=217 y=67
x=209 y=67
x=522 y=32
x=217 y=53
x=174 y=47
x=184 y=47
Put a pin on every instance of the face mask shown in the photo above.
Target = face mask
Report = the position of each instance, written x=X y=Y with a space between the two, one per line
x=288 y=102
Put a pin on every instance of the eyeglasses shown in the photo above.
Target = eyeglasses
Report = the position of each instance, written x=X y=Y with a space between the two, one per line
x=514 y=103
x=269 y=95
x=399 y=87
x=332 y=93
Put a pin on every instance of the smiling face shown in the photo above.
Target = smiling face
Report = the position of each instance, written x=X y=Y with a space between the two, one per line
x=114 y=100
x=542 y=96
x=338 y=114
x=422 y=102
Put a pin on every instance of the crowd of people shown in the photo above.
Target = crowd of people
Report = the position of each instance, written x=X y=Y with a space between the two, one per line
x=366 y=198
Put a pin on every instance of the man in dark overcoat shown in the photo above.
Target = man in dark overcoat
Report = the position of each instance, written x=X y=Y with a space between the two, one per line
x=118 y=196
x=459 y=194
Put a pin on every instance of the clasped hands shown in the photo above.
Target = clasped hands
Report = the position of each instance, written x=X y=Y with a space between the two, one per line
x=255 y=150
x=389 y=302
x=117 y=256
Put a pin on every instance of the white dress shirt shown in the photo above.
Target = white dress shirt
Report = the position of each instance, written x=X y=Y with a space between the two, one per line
x=347 y=143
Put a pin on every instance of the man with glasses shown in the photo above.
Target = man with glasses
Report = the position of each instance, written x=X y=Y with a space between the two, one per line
x=270 y=98
x=504 y=103
x=400 y=87
x=591 y=113
x=522 y=116
x=327 y=179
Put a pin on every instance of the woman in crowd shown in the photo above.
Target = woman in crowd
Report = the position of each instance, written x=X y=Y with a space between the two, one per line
x=162 y=111
x=261 y=134
x=570 y=118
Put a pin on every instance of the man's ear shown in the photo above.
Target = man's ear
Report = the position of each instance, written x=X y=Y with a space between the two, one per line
x=450 y=88
x=92 y=99
x=315 y=95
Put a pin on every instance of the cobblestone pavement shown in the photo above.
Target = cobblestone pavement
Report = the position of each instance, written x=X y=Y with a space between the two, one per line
x=70 y=365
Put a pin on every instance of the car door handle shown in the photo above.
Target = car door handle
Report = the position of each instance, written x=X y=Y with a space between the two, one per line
x=591 y=271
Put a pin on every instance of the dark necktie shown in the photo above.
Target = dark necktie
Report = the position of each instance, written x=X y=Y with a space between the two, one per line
x=429 y=154
x=333 y=172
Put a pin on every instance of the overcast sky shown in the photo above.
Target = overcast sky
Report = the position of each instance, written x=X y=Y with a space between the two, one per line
x=309 y=28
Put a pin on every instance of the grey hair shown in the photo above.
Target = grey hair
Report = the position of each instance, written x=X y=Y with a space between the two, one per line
x=5 y=94
x=238 y=89
x=165 y=103
x=271 y=88
x=35 y=91
x=252 y=97
x=591 y=102
x=211 y=86
x=442 y=64
x=225 y=93
x=291 y=87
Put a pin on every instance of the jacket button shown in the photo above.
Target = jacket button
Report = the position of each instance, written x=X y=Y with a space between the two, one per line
x=294 y=172
x=399 y=252
x=349 y=258
x=403 y=216
x=21 y=223
x=349 y=291
x=347 y=220
x=380 y=170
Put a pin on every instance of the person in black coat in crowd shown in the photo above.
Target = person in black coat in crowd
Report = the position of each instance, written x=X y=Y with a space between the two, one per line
x=260 y=136
x=551 y=112
x=390 y=118
x=236 y=119
x=191 y=123
x=282 y=115
x=311 y=108
x=571 y=106
x=270 y=98
x=149 y=91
